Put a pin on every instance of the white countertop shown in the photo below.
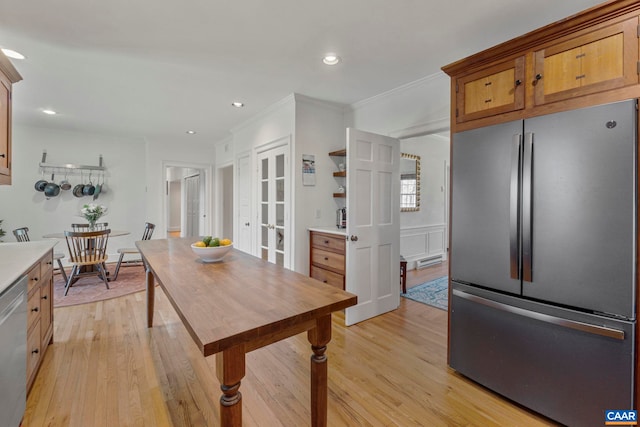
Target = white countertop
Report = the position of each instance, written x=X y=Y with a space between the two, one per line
x=16 y=258
x=330 y=229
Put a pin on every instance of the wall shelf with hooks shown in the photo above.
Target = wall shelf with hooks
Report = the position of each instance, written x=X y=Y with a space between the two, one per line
x=69 y=166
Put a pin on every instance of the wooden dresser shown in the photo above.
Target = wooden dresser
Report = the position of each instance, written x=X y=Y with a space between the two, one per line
x=327 y=257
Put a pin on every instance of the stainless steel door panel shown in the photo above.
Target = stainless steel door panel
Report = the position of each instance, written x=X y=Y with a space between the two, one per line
x=481 y=206
x=566 y=373
x=13 y=353
x=583 y=208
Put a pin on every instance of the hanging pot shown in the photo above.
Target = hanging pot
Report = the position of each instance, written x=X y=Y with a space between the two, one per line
x=77 y=190
x=51 y=189
x=65 y=184
x=89 y=188
x=40 y=185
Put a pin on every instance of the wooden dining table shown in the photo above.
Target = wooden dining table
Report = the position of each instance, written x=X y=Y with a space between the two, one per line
x=240 y=304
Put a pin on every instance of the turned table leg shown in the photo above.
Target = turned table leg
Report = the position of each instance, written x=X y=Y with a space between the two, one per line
x=151 y=294
x=230 y=369
x=319 y=337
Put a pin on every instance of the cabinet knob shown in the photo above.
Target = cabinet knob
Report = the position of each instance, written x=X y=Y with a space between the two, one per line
x=326 y=258
x=246 y=224
x=36 y=351
x=538 y=76
x=35 y=309
x=354 y=238
x=3 y=155
x=518 y=82
x=45 y=297
x=35 y=279
x=326 y=242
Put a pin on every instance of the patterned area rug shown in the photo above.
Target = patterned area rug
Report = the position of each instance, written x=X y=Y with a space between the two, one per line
x=434 y=292
x=91 y=289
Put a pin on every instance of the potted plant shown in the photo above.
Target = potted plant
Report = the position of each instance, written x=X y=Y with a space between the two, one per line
x=2 y=232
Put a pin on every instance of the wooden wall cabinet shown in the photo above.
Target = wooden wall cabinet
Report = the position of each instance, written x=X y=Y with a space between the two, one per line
x=599 y=60
x=8 y=76
x=40 y=314
x=587 y=59
x=497 y=89
x=327 y=257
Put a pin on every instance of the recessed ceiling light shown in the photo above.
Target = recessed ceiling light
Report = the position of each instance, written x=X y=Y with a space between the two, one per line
x=331 y=59
x=49 y=112
x=13 y=54
x=191 y=132
x=237 y=104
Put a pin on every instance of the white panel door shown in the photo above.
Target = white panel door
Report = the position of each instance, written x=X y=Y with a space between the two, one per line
x=273 y=215
x=243 y=238
x=373 y=224
x=192 y=200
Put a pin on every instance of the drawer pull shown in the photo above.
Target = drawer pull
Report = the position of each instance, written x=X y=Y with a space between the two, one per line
x=326 y=258
x=36 y=351
x=324 y=281
x=3 y=155
x=35 y=309
x=487 y=101
x=35 y=279
x=326 y=242
x=45 y=297
x=49 y=262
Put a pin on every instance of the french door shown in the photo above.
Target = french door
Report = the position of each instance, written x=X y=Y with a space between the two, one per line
x=273 y=212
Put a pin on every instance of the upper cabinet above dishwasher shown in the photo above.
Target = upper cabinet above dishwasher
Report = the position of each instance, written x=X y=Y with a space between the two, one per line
x=8 y=76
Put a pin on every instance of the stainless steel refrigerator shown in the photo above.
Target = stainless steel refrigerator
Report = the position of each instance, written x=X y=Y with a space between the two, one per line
x=543 y=260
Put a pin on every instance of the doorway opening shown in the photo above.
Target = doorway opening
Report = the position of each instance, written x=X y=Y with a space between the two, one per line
x=224 y=202
x=186 y=200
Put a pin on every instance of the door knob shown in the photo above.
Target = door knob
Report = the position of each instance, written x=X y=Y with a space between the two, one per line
x=246 y=224
x=354 y=238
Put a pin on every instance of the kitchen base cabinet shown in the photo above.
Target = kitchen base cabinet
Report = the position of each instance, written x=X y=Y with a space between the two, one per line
x=39 y=314
x=327 y=258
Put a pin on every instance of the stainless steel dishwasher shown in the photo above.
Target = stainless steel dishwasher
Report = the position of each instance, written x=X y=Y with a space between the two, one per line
x=13 y=353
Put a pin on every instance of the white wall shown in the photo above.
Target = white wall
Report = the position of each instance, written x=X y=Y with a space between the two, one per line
x=416 y=108
x=123 y=194
x=319 y=130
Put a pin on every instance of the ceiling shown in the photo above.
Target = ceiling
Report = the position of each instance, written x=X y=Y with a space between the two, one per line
x=154 y=69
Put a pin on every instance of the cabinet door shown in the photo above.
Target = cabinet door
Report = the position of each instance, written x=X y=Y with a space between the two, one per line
x=491 y=91
x=46 y=312
x=5 y=149
x=601 y=60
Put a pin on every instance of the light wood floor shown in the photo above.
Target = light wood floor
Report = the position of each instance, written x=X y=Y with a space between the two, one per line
x=106 y=368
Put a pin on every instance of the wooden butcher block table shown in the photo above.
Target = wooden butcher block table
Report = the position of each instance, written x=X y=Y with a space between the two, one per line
x=241 y=304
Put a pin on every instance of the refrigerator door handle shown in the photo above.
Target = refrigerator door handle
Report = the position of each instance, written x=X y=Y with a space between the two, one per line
x=559 y=321
x=514 y=207
x=527 y=194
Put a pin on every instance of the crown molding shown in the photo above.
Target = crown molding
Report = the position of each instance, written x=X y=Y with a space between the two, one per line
x=395 y=91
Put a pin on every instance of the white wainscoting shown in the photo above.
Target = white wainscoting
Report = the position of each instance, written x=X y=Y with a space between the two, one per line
x=417 y=243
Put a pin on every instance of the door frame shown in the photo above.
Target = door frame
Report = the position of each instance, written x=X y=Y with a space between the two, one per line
x=205 y=206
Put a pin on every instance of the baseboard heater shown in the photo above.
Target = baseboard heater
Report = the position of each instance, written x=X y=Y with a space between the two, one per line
x=428 y=261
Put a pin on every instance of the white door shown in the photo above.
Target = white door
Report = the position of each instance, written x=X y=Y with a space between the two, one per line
x=273 y=212
x=243 y=227
x=373 y=224
x=192 y=201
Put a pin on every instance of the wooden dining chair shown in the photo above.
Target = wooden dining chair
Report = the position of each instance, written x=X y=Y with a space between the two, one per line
x=87 y=248
x=85 y=227
x=146 y=235
x=22 y=235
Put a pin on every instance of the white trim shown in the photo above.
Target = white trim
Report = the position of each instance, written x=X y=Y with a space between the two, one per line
x=395 y=91
x=264 y=113
x=431 y=127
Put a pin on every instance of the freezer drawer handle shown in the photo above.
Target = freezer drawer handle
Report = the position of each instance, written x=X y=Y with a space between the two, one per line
x=572 y=324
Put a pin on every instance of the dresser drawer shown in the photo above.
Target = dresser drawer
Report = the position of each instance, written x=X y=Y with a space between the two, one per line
x=328 y=259
x=328 y=277
x=326 y=241
x=34 y=277
x=33 y=351
x=46 y=264
x=33 y=309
